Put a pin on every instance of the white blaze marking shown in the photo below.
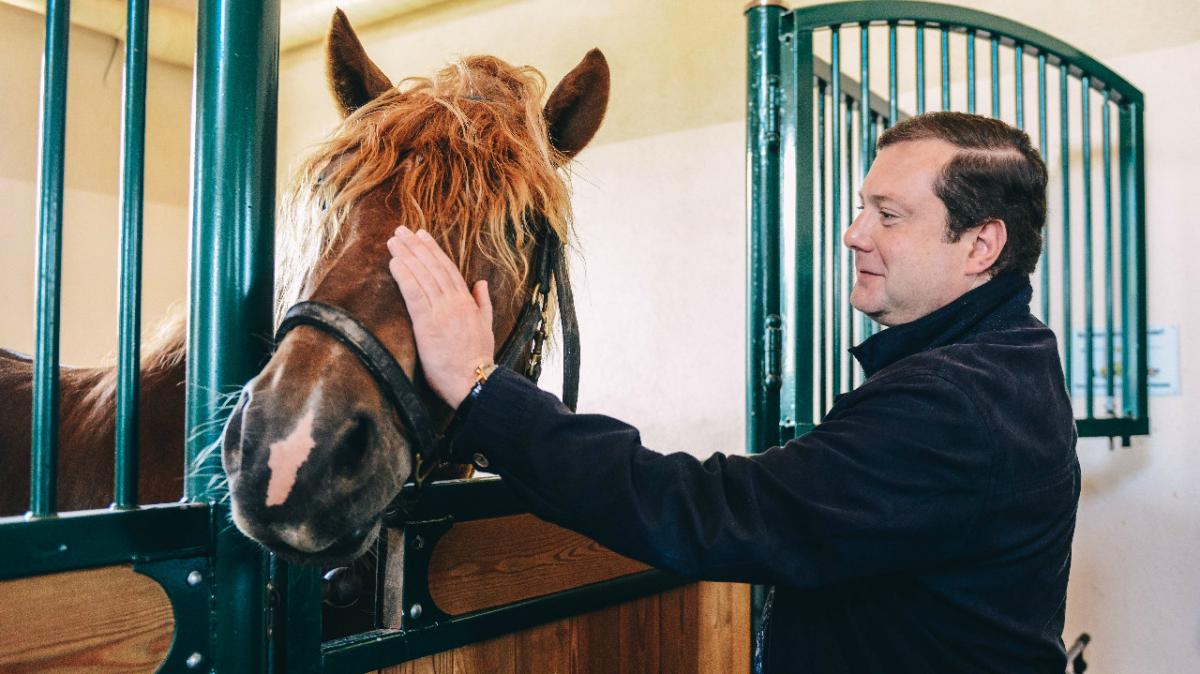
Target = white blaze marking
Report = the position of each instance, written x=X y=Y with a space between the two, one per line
x=287 y=455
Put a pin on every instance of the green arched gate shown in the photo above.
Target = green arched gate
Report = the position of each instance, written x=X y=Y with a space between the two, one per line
x=810 y=140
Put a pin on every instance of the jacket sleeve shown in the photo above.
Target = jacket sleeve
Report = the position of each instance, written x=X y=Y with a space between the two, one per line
x=893 y=480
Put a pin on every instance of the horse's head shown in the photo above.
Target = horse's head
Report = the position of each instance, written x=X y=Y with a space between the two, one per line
x=314 y=452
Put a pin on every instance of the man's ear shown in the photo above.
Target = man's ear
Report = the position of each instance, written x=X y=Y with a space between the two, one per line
x=987 y=242
x=353 y=78
x=576 y=108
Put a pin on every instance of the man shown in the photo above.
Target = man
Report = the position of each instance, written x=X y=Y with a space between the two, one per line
x=925 y=525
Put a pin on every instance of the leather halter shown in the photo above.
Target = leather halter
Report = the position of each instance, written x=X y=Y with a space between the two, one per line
x=429 y=448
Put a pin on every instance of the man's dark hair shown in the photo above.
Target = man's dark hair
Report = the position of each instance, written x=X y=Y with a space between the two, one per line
x=996 y=174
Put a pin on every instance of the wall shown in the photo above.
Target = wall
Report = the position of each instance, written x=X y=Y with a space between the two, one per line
x=90 y=219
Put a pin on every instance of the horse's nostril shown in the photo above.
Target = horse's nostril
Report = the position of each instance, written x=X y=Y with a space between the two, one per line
x=353 y=445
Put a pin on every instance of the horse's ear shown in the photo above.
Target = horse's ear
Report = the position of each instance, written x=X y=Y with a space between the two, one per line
x=353 y=78
x=576 y=108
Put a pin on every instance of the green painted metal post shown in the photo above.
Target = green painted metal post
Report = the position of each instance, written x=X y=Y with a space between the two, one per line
x=995 y=77
x=231 y=276
x=920 y=49
x=823 y=259
x=971 y=71
x=1019 y=73
x=51 y=153
x=1065 y=159
x=945 y=54
x=1089 y=347
x=762 y=252
x=835 y=214
x=797 y=258
x=893 y=66
x=1133 y=227
x=1109 y=323
x=1043 y=136
x=133 y=142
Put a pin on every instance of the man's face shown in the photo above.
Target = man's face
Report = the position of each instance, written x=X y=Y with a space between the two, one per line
x=905 y=268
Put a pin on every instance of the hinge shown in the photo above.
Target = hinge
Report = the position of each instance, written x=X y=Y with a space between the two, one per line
x=769 y=123
x=774 y=342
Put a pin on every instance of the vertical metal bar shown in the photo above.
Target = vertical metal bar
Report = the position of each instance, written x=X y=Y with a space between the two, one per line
x=822 y=258
x=797 y=250
x=1043 y=134
x=971 y=71
x=1019 y=74
x=995 y=76
x=133 y=141
x=920 y=68
x=231 y=274
x=864 y=156
x=835 y=215
x=846 y=311
x=945 y=68
x=1109 y=324
x=1133 y=268
x=1065 y=157
x=51 y=151
x=893 y=65
x=763 y=78
x=1089 y=347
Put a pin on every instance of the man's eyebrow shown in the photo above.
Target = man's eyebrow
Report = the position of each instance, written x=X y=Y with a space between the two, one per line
x=878 y=198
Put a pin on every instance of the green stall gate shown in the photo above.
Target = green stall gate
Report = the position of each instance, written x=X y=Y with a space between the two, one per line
x=232 y=606
x=823 y=83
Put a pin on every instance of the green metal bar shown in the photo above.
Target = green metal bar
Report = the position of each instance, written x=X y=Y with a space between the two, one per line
x=51 y=152
x=945 y=68
x=89 y=538
x=133 y=142
x=822 y=257
x=847 y=311
x=828 y=14
x=920 y=68
x=1133 y=271
x=763 y=217
x=1043 y=134
x=1109 y=323
x=971 y=71
x=1089 y=349
x=797 y=250
x=835 y=216
x=1019 y=74
x=1065 y=157
x=231 y=275
x=893 y=65
x=995 y=76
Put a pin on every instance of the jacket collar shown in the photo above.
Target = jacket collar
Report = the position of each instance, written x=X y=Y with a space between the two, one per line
x=988 y=306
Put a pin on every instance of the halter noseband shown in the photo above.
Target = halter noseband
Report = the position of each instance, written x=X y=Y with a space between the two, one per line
x=429 y=448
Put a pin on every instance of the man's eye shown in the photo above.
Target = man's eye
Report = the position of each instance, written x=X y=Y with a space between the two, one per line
x=886 y=215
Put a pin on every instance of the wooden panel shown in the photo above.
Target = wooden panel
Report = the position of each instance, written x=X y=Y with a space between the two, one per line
x=484 y=563
x=697 y=629
x=101 y=620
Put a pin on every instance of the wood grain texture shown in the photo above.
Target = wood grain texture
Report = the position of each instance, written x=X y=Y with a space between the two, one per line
x=484 y=563
x=102 y=620
x=697 y=629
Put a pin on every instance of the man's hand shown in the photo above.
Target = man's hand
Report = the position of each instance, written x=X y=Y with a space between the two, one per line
x=452 y=325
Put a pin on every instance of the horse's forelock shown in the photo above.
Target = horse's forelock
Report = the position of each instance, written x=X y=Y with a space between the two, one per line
x=470 y=160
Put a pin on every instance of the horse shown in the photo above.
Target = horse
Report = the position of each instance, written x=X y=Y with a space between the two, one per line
x=313 y=451
x=87 y=401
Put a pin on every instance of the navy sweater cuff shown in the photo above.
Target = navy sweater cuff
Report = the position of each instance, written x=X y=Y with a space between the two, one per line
x=498 y=421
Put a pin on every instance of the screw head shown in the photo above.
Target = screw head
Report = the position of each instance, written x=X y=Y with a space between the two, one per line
x=414 y=612
x=194 y=660
x=418 y=542
x=194 y=578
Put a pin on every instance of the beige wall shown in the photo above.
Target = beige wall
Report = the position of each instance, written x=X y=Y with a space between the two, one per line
x=90 y=221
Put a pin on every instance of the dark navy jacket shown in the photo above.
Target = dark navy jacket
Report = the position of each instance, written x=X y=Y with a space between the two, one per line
x=924 y=526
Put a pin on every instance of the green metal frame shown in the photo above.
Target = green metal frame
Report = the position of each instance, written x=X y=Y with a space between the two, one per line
x=783 y=401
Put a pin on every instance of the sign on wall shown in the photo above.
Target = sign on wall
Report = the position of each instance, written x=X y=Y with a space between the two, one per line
x=1162 y=362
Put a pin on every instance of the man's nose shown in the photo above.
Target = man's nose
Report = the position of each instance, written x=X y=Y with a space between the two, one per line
x=855 y=236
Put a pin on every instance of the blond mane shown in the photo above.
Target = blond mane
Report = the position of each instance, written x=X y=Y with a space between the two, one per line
x=469 y=161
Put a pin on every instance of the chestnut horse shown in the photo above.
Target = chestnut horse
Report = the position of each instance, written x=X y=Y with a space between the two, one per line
x=314 y=452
